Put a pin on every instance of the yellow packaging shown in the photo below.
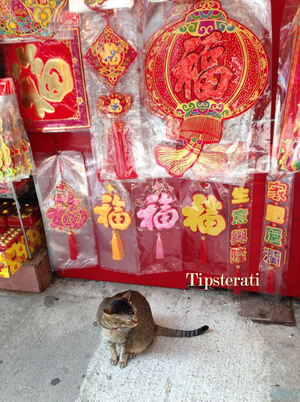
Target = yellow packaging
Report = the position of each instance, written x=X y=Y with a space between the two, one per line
x=15 y=256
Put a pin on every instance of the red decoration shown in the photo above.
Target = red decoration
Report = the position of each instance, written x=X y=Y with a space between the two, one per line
x=110 y=57
x=275 y=228
x=114 y=105
x=289 y=142
x=203 y=216
x=237 y=289
x=94 y=4
x=270 y=281
x=124 y=168
x=240 y=206
x=160 y=215
x=22 y=19
x=50 y=82
x=68 y=214
x=201 y=69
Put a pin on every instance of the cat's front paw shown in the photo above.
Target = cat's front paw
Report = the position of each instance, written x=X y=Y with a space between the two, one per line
x=122 y=364
x=113 y=361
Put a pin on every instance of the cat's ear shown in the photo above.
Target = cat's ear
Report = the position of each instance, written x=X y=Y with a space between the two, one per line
x=127 y=295
x=109 y=311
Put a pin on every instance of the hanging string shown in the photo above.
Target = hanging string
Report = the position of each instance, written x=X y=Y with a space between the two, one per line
x=55 y=143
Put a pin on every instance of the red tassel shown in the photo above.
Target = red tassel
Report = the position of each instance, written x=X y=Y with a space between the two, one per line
x=203 y=252
x=73 y=246
x=159 y=248
x=108 y=163
x=237 y=289
x=270 y=282
x=124 y=168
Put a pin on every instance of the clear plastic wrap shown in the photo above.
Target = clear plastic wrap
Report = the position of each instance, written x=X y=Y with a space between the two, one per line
x=16 y=157
x=239 y=222
x=120 y=92
x=276 y=233
x=22 y=20
x=245 y=143
x=64 y=201
x=204 y=210
x=159 y=233
x=286 y=141
x=50 y=82
x=114 y=222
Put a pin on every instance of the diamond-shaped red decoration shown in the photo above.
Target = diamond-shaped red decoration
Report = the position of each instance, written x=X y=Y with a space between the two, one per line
x=110 y=56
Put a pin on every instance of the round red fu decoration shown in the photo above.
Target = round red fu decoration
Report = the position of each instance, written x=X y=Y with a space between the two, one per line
x=200 y=70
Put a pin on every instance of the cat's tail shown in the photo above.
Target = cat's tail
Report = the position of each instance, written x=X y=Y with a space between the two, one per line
x=178 y=333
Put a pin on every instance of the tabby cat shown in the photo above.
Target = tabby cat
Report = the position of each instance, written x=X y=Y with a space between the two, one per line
x=126 y=320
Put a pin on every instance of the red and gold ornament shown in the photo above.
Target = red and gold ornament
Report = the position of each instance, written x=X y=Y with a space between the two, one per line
x=50 y=82
x=201 y=69
x=68 y=213
x=110 y=57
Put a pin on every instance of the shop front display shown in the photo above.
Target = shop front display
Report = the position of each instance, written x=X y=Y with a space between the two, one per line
x=151 y=129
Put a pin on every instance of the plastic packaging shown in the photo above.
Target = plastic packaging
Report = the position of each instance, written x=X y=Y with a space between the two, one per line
x=16 y=157
x=239 y=222
x=114 y=222
x=245 y=138
x=25 y=20
x=159 y=233
x=120 y=92
x=286 y=142
x=64 y=201
x=204 y=210
x=276 y=233
x=50 y=82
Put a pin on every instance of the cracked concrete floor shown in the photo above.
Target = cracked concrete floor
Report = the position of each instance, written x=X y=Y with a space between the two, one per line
x=52 y=351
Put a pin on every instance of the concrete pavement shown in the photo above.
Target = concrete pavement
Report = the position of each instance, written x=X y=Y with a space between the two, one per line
x=52 y=351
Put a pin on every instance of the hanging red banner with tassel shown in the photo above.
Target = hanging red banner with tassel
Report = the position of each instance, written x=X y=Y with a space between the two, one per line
x=239 y=241
x=276 y=229
x=109 y=58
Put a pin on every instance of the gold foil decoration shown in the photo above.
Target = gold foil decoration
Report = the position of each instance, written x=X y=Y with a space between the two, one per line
x=16 y=71
x=54 y=80
x=30 y=96
x=26 y=56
